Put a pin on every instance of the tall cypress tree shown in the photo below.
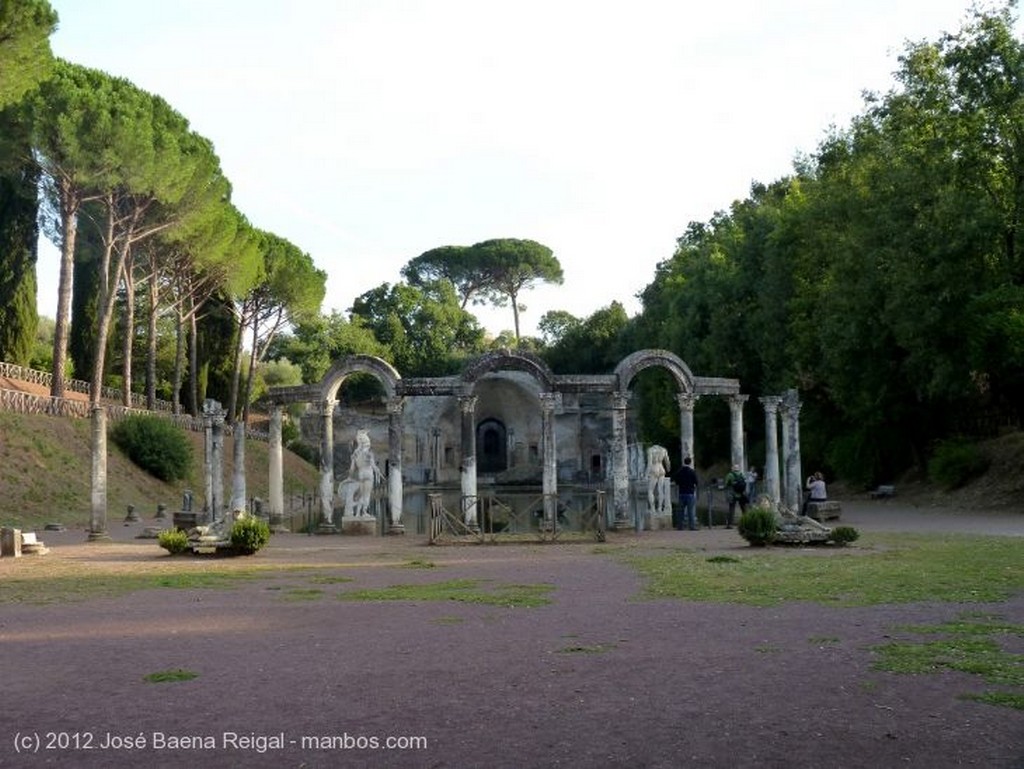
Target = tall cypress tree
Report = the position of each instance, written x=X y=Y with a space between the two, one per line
x=19 y=234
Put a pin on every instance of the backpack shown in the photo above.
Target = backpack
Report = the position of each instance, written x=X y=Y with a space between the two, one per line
x=739 y=485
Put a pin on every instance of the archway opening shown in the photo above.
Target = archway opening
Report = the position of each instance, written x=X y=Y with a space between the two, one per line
x=491 y=446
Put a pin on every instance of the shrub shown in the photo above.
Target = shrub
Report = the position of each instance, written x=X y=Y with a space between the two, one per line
x=174 y=541
x=155 y=445
x=843 y=535
x=248 y=535
x=954 y=463
x=758 y=525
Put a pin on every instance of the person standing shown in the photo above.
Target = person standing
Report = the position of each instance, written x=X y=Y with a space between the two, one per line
x=736 y=492
x=687 y=481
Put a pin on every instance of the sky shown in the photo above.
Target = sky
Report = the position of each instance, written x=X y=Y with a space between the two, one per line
x=367 y=132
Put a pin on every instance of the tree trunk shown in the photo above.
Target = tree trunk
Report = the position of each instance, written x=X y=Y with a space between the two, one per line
x=129 y=331
x=69 y=225
x=151 y=346
x=179 y=363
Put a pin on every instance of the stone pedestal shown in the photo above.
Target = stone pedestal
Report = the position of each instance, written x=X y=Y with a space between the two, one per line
x=360 y=526
x=396 y=529
x=660 y=522
x=10 y=542
x=326 y=528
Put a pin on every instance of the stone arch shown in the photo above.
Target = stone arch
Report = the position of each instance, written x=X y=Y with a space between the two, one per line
x=515 y=360
x=636 y=362
x=381 y=369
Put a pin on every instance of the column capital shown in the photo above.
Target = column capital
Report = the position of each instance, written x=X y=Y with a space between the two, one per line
x=396 y=405
x=549 y=401
x=736 y=401
x=467 y=403
x=687 y=401
x=327 y=406
x=771 y=403
x=620 y=400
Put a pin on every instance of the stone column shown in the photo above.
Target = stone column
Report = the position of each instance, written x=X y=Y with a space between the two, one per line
x=217 y=463
x=736 y=432
x=395 y=437
x=549 y=456
x=238 y=493
x=620 y=466
x=791 y=450
x=207 y=468
x=327 y=465
x=686 y=403
x=275 y=504
x=467 y=468
x=98 y=516
x=771 y=451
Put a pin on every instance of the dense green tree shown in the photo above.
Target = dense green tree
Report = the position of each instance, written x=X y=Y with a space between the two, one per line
x=25 y=56
x=289 y=290
x=19 y=236
x=425 y=331
x=589 y=346
x=317 y=343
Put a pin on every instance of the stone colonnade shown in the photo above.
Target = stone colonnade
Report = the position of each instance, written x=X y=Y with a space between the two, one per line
x=785 y=488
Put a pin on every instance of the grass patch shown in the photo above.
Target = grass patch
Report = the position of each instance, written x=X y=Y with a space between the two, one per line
x=889 y=568
x=419 y=563
x=462 y=590
x=58 y=581
x=170 y=676
x=970 y=647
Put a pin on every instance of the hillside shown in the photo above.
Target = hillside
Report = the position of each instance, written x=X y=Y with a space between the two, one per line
x=45 y=466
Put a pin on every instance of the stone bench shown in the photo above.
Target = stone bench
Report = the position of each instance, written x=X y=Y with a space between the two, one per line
x=883 y=492
x=824 y=511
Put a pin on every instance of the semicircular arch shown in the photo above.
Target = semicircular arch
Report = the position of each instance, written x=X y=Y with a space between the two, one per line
x=352 y=364
x=505 y=360
x=636 y=362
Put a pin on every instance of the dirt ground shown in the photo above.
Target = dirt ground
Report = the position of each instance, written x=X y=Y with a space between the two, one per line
x=598 y=678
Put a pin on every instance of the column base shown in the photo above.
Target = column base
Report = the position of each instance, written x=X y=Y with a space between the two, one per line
x=98 y=536
x=326 y=528
x=396 y=529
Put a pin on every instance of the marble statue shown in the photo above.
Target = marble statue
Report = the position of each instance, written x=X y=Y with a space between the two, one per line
x=658 y=468
x=363 y=474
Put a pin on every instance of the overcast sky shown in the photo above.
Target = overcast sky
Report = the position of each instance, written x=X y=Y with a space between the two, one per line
x=369 y=131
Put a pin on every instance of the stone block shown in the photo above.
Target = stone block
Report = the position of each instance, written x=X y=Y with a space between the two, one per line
x=10 y=542
x=824 y=511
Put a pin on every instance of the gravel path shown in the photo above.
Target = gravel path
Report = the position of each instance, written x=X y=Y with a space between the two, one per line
x=289 y=675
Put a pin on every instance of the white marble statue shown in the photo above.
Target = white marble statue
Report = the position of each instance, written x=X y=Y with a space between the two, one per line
x=363 y=474
x=658 y=468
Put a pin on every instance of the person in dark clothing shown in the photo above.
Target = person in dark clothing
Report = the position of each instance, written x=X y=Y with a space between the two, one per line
x=687 y=481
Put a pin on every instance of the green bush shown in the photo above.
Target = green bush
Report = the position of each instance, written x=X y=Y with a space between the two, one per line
x=843 y=535
x=174 y=541
x=758 y=525
x=248 y=535
x=155 y=445
x=954 y=463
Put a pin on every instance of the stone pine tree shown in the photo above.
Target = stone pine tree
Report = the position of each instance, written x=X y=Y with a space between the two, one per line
x=71 y=125
x=513 y=266
x=495 y=271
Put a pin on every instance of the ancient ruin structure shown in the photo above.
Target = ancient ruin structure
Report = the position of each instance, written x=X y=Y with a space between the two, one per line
x=507 y=418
